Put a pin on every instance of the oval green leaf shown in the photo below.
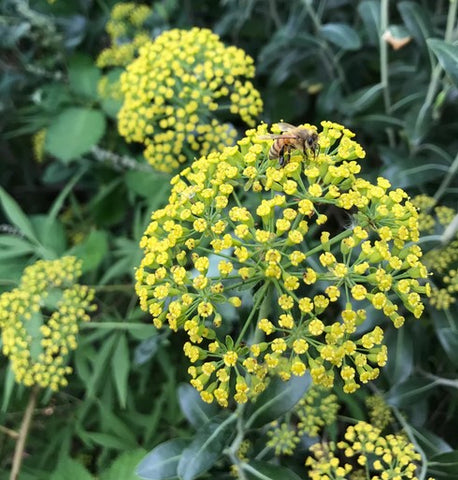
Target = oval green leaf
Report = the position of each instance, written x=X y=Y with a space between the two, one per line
x=369 y=11
x=444 y=466
x=447 y=55
x=206 y=447
x=417 y=21
x=341 y=35
x=162 y=462
x=74 y=132
x=278 y=398
x=193 y=407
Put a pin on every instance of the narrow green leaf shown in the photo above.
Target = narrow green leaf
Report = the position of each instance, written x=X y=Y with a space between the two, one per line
x=369 y=11
x=51 y=234
x=444 y=466
x=409 y=392
x=417 y=21
x=193 y=407
x=17 y=217
x=341 y=35
x=362 y=99
x=107 y=440
x=278 y=398
x=447 y=54
x=120 y=363
x=446 y=328
x=100 y=365
x=430 y=443
x=8 y=388
x=92 y=251
x=206 y=447
x=112 y=423
x=400 y=361
x=123 y=468
x=12 y=246
x=256 y=470
x=74 y=132
x=83 y=75
x=162 y=462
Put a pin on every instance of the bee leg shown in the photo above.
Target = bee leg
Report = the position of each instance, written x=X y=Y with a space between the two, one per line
x=283 y=157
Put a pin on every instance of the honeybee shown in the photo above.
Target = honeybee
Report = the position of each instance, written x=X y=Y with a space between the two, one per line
x=291 y=138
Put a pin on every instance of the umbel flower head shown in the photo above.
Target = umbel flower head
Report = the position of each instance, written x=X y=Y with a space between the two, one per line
x=127 y=31
x=241 y=231
x=366 y=454
x=173 y=93
x=39 y=321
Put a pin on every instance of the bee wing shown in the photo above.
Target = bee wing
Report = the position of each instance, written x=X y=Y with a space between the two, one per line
x=286 y=127
x=275 y=136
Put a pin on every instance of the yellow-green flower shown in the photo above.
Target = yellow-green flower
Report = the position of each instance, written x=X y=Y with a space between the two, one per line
x=226 y=229
x=175 y=91
x=390 y=457
x=39 y=321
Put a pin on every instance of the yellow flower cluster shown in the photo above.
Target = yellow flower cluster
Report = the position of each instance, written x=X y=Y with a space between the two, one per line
x=379 y=411
x=174 y=90
x=39 y=321
x=431 y=216
x=38 y=142
x=317 y=409
x=364 y=453
x=312 y=413
x=239 y=226
x=127 y=32
x=283 y=439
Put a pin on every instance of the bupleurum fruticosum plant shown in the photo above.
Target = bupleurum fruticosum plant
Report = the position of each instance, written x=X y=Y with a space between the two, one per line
x=39 y=321
x=175 y=91
x=240 y=230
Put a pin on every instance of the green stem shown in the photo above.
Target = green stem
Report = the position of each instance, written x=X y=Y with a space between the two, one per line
x=447 y=179
x=412 y=438
x=231 y=451
x=260 y=297
x=23 y=432
x=384 y=78
x=451 y=16
x=337 y=238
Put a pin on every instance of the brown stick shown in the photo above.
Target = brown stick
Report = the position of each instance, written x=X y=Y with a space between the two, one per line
x=23 y=432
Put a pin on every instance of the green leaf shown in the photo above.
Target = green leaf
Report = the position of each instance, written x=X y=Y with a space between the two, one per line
x=206 y=447
x=51 y=234
x=100 y=365
x=92 y=251
x=341 y=35
x=430 y=443
x=278 y=398
x=83 y=75
x=16 y=216
x=447 y=54
x=111 y=106
x=107 y=440
x=69 y=468
x=408 y=393
x=400 y=359
x=124 y=466
x=120 y=363
x=196 y=411
x=446 y=328
x=148 y=185
x=8 y=388
x=12 y=246
x=267 y=471
x=417 y=21
x=74 y=132
x=361 y=99
x=369 y=11
x=162 y=462
x=444 y=466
